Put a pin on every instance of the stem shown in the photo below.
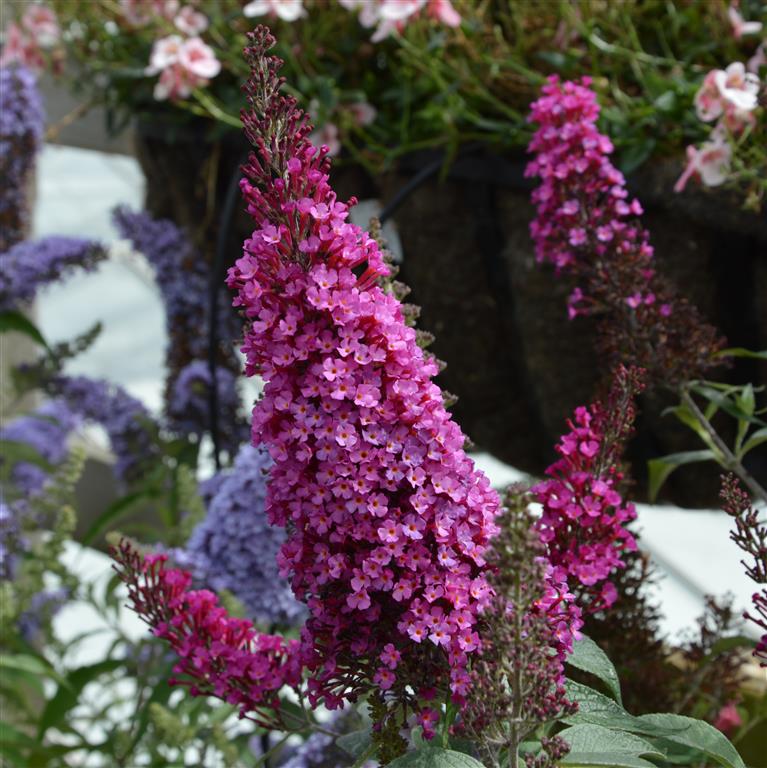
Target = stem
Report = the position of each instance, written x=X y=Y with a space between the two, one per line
x=729 y=461
x=515 y=737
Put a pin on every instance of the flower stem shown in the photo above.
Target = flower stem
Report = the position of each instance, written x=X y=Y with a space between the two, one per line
x=729 y=460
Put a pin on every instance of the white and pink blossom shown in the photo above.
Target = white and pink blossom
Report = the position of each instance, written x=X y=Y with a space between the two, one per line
x=740 y=27
x=191 y=22
x=287 y=10
x=710 y=163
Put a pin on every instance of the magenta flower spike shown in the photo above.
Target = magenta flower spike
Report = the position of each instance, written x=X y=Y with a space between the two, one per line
x=388 y=519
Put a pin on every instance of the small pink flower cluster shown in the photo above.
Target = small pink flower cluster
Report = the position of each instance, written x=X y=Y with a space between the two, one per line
x=24 y=44
x=582 y=203
x=219 y=655
x=729 y=96
x=387 y=518
x=561 y=610
x=360 y=113
x=584 y=517
x=183 y=64
x=391 y=16
x=587 y=226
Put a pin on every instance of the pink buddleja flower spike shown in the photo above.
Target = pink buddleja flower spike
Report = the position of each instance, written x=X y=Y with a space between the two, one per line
x=218 y=655
x=388 y=520
x=588 y=227
x=584 y=518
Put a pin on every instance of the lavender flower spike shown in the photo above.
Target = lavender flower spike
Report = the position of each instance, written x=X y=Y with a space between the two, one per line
x=188 y=409
x=30 y=265
x=46 y=431
x=128 y=423
x=235 y=548
x=21 y=130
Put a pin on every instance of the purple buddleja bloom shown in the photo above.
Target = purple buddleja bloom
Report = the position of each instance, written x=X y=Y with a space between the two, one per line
x=46 y=430
x=42 y=608
x=21 y=130
x=183 y=276
x=188 y=409
x=30 y=265
x=126 y=420
x=235 y=548
x=9 y=537
x=750 y=535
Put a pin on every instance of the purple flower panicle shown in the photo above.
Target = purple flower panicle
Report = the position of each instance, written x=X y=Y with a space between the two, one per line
x=235 y=548
x=128 y=423
x=33 y=264
x=22 y=120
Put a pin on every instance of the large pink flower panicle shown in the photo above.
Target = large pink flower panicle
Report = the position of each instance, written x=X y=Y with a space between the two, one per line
x=587 y=226
x=219 y=655
x=584 y=517
x=388 y=519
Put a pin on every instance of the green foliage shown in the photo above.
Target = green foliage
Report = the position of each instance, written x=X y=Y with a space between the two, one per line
x=589 y=657
x=603 y=730
x=18 y=322
x=739 y=403
x=435 y=757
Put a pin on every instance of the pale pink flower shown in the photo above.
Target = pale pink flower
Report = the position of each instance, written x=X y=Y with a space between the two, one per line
x=728 y=720
x=442 y=10
x=41 y=23
x=363 y=112
x=708 y=102
x=19 y=49
x=399 y=10
x=141 y=12
x=759 y=59
x=165 y=53
x=738 y=87
x=173 y=83
x=710 y=163
x=199 y=59
x=287 y=10
x=327 y=136
x=191 y=22
x=741 y=27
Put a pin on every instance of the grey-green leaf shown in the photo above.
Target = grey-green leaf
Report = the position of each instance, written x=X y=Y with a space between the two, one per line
x=598 y=739
x=11 y=320
x=659 y=469
x=589 y=657
x=597 y=709
x=356 y=742
x=606 y=760
x=695 y=733
x=435 y=757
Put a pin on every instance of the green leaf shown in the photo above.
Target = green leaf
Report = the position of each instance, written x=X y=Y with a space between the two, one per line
x=67 y=695
x=356 y=742
x=589 y=657
x=435 y=757
x=606 y=759
x=742 y=352
x=33 y=665
x=660 y=469
x=588 y=738
x=597 y=709
x=16 y=321
x=697 y=734
x=114 y=512
x=728 y=404
x=754 y=439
